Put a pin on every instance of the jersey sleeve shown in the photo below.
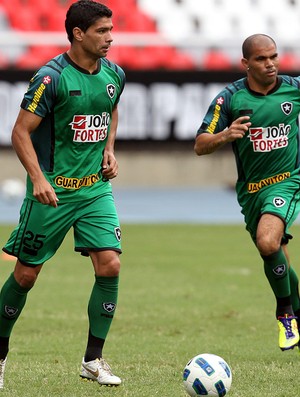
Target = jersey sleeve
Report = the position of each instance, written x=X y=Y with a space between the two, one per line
x=218 y=116
x=119 y=74
x=41 y=93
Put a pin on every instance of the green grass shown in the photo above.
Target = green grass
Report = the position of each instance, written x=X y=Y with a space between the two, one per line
x=184 y=290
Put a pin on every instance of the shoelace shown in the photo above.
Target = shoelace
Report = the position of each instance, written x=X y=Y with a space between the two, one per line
x=103 y=364
x=287 y=322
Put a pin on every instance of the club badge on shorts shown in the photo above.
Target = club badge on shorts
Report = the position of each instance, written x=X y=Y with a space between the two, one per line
x=118 y=233
x=278 y=202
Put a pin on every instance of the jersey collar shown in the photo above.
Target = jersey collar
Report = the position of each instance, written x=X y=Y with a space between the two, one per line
x=69 y=60
x=278 y=84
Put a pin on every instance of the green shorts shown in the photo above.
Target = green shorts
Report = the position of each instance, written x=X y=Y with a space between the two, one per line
x=281 y=199
x=42 y=229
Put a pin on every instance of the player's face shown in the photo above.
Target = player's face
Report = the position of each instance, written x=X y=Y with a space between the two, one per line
x=97 y=39
x=262 y=67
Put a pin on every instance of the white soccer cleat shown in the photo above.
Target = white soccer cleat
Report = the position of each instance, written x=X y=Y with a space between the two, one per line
x=98 y=370
x=2 y=368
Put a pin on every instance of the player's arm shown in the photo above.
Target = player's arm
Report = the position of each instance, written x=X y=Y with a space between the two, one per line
x=109 y=163
x=207 y=143
x=26 y=123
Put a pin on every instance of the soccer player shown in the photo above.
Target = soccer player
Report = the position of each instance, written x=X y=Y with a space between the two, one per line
x=64 y=136
x=258 y=115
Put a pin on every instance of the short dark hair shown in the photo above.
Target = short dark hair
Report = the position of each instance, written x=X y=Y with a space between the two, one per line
x=248 y=43
x=84 y=14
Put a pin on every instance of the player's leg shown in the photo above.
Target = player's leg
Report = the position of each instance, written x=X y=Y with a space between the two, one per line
x=294 y=283
x=101 y=309
x=40 y=231
x=98 y=233
x=269 y=235
x=13 y=297
x=103 y=300
x=295 y=298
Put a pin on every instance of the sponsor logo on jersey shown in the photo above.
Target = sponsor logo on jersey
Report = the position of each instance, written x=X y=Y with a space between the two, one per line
x=217 y=112
x=111 y=90
x=47 y=80
x=38 y=94
x=269 y=138
x=254 y=187
x=76 y=183
x=90 y=128
x=287 y=108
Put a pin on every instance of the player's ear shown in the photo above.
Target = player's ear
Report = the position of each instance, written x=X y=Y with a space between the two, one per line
x=77 y=33
x=244 y=63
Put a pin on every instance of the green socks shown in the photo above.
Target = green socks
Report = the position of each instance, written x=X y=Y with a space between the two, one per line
x=12 y=300
x=102 y=305
x=277 y=272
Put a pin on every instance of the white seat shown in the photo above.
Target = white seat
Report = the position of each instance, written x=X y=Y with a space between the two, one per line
x=250 y=23
x=177 y=25
x=157 y=10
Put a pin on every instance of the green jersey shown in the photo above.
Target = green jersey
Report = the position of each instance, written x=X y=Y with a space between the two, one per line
x=76 y=108
x=269 y=152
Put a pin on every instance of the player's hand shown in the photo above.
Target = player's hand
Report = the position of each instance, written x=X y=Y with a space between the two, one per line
x=44 y=193
x=237 y=129
x=109 y=165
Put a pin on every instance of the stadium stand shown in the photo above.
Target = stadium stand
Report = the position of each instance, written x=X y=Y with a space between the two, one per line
x=169 y=34
x=216 y=59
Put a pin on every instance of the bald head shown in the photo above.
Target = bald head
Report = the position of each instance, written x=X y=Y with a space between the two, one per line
x=255 y=40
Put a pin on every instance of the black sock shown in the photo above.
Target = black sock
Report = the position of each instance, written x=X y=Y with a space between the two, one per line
x=284 y=306
x=94 y=348
x=4 y=342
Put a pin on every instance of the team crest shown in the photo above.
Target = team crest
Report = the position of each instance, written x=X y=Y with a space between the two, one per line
x=279 y=270
x=118 y=233
x=10 y=311
x=109 y=306
x=278 y=202
x=287 y=108
x=111 y=90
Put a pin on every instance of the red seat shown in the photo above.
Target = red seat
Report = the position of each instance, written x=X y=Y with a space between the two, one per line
x=4 y=61
x=289 y=61
x=37 y=56
x=55 y=21
x=216 y=59
x=181 y=61
x=25 y=18
x=153 y=57
x=137 y=21
x=44 y=7
x=139 y=57
x=114 y=54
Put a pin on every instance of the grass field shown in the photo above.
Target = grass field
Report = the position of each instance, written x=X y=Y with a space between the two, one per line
x=184 y=290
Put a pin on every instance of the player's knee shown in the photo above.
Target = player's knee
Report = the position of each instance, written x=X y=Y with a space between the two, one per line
x=113 y=267
x=108 y=268
x=267 y=245
x=26 y=276
x=26 y=279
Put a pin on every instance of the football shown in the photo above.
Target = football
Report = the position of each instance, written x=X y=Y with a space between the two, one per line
x=207 y=375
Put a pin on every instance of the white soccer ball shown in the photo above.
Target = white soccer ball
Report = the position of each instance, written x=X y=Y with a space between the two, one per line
x=207 y=375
